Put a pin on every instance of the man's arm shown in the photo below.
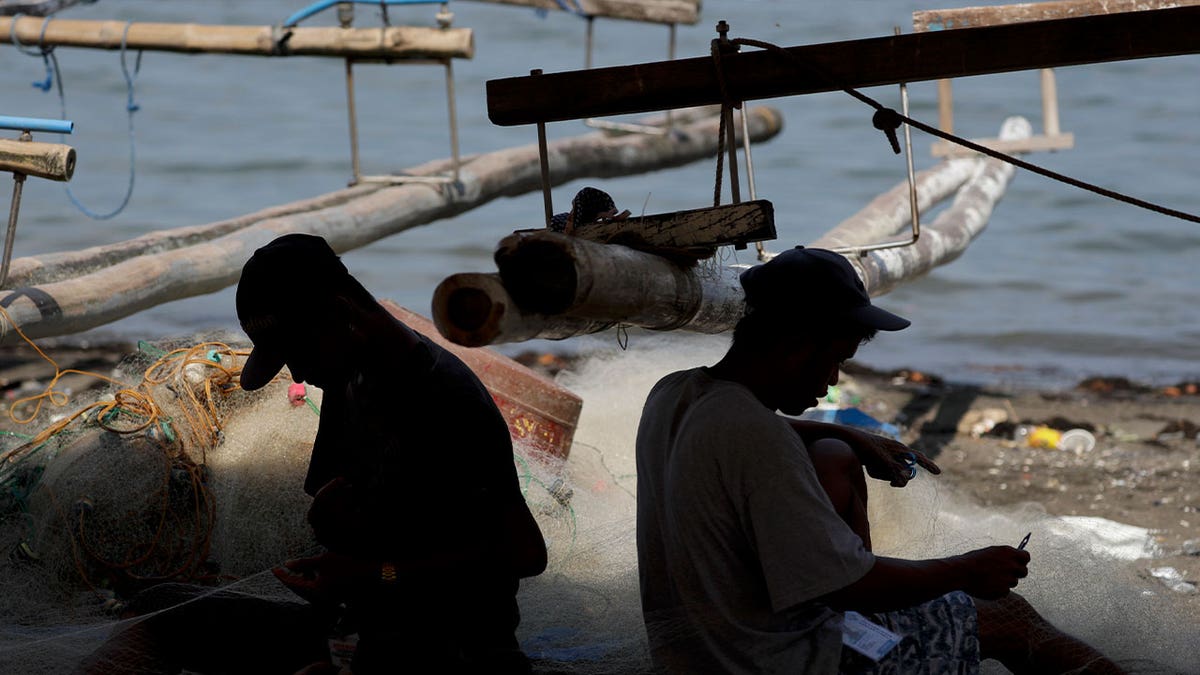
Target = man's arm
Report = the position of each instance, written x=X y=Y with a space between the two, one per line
x=884 y=458
x=893 y=583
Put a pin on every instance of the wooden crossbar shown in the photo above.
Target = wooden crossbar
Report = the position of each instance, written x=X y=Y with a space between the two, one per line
x=1052 y=138
x=759 y=74
x=391 y=43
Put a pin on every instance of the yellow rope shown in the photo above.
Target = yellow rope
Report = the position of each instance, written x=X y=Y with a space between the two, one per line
x=132 y=410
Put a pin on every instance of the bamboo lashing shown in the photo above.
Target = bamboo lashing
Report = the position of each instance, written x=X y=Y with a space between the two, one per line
x=390 y=43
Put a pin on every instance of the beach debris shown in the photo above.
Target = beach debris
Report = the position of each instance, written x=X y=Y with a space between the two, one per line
x=1111 y=385
x=1078 y=441
x=978 y=422
x=1177 y=430
x=852 y=417
x=1182 y=389
x=1105 y=537
x=1173 y=579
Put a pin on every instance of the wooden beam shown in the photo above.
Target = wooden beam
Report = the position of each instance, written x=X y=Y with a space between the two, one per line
x=997 y=15
x=759 y=74
x=697 y=229
x=651 y=11
x=395 y=42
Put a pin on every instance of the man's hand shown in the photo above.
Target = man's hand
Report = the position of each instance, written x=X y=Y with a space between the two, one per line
x=327 y=579
x=990 y=573
x=888 y=459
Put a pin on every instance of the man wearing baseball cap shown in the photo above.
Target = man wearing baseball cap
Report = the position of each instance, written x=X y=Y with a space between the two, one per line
x=416 y=497
x=754 y=548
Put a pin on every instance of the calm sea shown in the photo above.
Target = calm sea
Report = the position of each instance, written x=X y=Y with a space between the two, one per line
x=1063 y=284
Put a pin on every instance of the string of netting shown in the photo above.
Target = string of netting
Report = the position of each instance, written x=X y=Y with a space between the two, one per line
x=132 y=410
x=895 y=117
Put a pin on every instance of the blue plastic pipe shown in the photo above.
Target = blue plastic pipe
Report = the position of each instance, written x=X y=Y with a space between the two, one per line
x=323 y=5
x=37 y=124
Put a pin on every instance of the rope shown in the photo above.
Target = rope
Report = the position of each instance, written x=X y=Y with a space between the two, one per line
x=888 y=120
x=130 y=108
x=54 y=78
x=176 y=544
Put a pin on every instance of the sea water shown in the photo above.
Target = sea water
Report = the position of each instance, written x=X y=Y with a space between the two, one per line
x=1062 y=284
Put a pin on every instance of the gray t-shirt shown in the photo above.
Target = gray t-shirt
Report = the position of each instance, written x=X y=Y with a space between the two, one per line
x=736 y=538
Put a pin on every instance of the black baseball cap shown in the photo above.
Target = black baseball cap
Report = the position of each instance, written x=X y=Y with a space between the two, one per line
x=276 y=291
x=815 y=281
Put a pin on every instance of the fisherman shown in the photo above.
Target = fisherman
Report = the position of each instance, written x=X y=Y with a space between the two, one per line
x=416 y=497
x=754 y=548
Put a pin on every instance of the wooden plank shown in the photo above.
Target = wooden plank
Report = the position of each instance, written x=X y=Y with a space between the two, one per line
x=997 y=15
x=695 y=228
x=753 y=75
x=1038 y=143
x=651 y=11
x=395 y=42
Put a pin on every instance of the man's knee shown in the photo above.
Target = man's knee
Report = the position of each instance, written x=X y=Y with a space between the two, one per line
x=833 y=456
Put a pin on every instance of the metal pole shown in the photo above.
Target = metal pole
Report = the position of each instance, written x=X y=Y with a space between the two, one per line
x=353 y=122
x=735 y=192
x=11 y=236
x=544 y=158
x=453 y=112
x=345 y=15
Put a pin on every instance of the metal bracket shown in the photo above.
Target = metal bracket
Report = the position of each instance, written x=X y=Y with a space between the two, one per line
x=26 y=125
x=444 y=18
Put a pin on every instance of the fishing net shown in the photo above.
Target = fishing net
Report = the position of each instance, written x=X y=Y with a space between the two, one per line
x=204 y=487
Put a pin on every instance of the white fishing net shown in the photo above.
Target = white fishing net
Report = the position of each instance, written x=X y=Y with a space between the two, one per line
x=65 y=582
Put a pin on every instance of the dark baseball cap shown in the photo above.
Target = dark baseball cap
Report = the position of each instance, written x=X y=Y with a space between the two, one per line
x=276 y=291
x=818 y=282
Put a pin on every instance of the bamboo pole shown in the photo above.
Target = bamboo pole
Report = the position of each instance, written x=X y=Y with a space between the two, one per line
x=390 y=43
x=652 y=11
x=474 y=309
x=995 y=15
x=889 y=213
x=617 y=284
x=945 y=239
x=53 y=161
x=71 y=292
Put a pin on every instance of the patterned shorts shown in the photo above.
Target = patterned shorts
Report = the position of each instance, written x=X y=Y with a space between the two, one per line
x=940 y=637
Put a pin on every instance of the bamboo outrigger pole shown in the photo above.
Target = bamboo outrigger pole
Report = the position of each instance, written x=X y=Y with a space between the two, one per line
x=610 y=284
x=650 y=11
x=754 y=75
x=67 y=292
x=388 y=43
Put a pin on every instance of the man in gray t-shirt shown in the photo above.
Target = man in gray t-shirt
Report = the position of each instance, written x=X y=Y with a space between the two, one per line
x=753 y=539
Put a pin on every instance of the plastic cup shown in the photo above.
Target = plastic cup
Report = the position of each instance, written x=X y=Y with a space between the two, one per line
x=1077 y=441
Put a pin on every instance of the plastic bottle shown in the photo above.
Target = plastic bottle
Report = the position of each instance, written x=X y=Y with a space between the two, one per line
x=1037 y=436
